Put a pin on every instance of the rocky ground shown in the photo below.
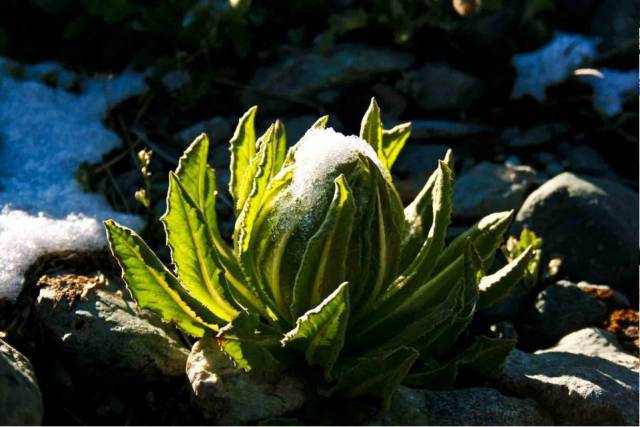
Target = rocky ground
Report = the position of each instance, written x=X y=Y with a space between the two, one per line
x=500 y=88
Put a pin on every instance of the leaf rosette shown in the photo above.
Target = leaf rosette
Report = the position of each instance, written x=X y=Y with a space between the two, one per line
x=325 y=262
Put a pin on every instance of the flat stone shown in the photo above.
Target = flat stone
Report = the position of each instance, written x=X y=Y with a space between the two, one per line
x=20 y=398
x=575 y=389
x=595 y=342
x=558 y=310
x=534 y=136
x=227 y=395
x=310 y=76
x=440 y=87
x=103 y=334
x=489 y=187
x=217 y=128
x=413 y=166
x=470 y=406
x=443 y=129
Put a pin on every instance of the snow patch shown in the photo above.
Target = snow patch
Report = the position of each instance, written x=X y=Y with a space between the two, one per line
x=556 y=61
x=551 y=64
x=45 y=133
x=319 y=152
x=610 y=90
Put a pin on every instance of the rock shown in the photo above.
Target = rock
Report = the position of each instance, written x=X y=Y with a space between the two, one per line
x=413 y=166
x=443 y=129
x=440 y=87
x=624 y=323
x=314 y=77
x=471 y=406
x=489 y=187
x=604 y=293
x=228 y=395
x=615 y=23
x=584 y=159
x=20 y=398
x=533 y=137
x=575 y=389
x=592 y=223
x=595 y=342
x=559 y=309
x=105 y=335
x=217 y=128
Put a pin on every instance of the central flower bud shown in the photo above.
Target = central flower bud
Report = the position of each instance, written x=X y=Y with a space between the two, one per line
x=330 y=210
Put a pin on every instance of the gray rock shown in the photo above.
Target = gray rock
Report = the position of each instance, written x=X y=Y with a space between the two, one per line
x=560 y=309
x=439 y=87
x=471 y=406
x=535 y=136
x=228 y=395
x=592 y=223
x=443 y=129
x=615 y=22
x=596 y=342
x=414 y=165
x=584 y=159
x=311 y=76
x=102 y=333
x=217 y=128
x=575 y=389
x=20 y=398
x=489 y=187
x=611 y=297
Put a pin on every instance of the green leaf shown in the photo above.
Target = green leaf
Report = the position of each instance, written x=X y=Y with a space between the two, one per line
x=419 y=217
x=279 y=149
x=243 y=149
x=261 y=171
x=371 y=128
x=485 y=356
x=497 y=286
x=193 y=252
x=249 y=355
x=198 y=181
x=409 y=328
x=432 y=375
x=320 y=332
x=321 y=123
x=250 y=235
x=323 y=265
x=374 y=377
x=152 y=284
x=486 y=234
x=404 y=291
x=438 y=345
x=393 y=141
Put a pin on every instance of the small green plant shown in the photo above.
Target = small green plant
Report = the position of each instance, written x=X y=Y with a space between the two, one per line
x=326 y=265
x=143 y=195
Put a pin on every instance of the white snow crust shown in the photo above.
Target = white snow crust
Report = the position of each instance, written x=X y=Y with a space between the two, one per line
x=321 y=151
x=45 y=133
x=550 y=64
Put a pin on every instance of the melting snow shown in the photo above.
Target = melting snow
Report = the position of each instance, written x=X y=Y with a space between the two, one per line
x=552 y=63
x=319 y=152
x=556 y=61
x=45 y=133
x=610 y=90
